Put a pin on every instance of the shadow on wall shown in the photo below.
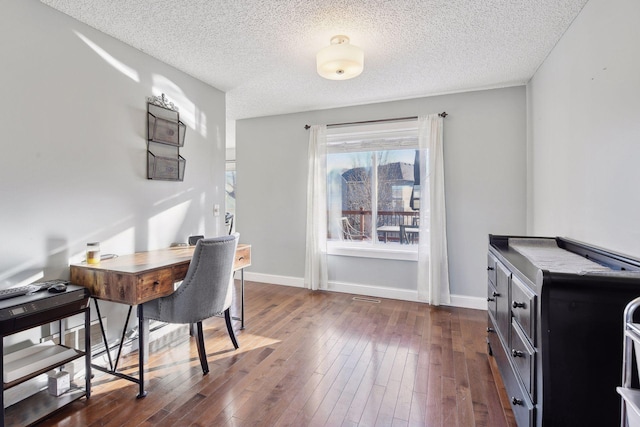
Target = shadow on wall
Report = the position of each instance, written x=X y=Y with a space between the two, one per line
x=56 y=265
x=57 y=262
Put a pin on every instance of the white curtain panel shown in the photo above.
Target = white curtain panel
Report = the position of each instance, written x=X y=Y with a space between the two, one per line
x=433 y=263
x=315 y=274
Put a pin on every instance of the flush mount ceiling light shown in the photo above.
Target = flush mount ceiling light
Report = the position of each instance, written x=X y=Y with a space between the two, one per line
x=340 y=60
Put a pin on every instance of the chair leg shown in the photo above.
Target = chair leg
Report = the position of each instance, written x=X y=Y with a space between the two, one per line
x=232 y=335
x=201 y=351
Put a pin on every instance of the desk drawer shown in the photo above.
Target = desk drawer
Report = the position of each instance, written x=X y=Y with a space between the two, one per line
x=180 y=271
x=154 y=284
x=243 y=257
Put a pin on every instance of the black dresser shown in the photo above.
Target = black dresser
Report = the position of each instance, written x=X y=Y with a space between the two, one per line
x=555 y=327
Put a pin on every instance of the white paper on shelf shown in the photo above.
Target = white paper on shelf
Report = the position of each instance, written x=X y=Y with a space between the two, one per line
x=31 y=359
x=23 y=390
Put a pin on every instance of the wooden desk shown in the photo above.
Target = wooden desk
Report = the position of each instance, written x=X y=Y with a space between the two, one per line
x=138 y=278
x=143 y=276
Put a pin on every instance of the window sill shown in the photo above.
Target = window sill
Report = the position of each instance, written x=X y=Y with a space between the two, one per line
x=367 y=250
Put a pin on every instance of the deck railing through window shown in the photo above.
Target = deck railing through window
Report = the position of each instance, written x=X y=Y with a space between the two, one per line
x=359 y=218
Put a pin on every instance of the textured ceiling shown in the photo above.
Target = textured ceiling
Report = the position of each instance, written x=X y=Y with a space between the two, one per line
x=262 y=52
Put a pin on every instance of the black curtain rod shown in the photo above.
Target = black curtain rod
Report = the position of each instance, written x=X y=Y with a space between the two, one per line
x=443 y=115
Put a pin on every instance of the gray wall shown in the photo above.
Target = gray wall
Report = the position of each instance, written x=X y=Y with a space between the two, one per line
x=485 y=172
x=584 y=133
x=73 y=169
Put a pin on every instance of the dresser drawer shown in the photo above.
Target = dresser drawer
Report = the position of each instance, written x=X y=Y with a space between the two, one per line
x=493 y=340
x=503 y=310
x=521 y=404
x=523 y=307
x=492 y=299
x=523 y=358
x=523 y=410
x=491 y=269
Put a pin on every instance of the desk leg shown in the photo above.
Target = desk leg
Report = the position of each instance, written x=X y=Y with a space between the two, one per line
x=104 y=335
x=87 y=350
x=124 y=334
x=2 y=374
x=141 y=347
x=241 y=318
x=113 y=368
x=242 y=296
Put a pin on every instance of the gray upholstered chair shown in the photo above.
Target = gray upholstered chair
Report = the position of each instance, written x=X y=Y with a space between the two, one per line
x=206 y=291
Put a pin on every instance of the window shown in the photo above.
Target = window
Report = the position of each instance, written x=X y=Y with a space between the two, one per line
x=230 y=193
x=372 y=183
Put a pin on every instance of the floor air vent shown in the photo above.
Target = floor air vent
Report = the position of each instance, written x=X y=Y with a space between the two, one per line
x=365 y=299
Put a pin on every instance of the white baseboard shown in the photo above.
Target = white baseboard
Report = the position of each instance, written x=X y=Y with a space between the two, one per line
x=374 y=291
x=465 y=301
x=462 y=301
x=297 y=282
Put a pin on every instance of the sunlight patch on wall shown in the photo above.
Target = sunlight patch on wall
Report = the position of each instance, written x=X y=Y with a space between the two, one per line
x=221 y=139
x=203 y=208
x=172 y=197
x=167 y=224
x=118 y=65
x=190 y=114
x=120 y=243
x=124 y=242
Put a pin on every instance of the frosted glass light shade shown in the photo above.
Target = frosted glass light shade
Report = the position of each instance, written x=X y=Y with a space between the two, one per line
x=340 y=60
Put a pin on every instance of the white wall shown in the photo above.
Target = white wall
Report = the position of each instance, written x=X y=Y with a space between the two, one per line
x=584 y=131
x=485 y=173
x=73 y=169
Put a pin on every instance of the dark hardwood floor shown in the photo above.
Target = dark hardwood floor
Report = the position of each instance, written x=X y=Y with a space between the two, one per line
x=313 y=359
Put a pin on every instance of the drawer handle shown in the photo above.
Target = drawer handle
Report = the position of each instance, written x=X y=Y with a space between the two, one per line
x=491 y=299
x=517 y=353
x=516 y=401
x=156 y=283
x=490 y=329
x=519 y=305
x=241 y=258
x=495 y=294
x=490 y=268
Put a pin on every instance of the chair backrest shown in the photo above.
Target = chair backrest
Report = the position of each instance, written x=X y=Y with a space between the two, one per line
x=207 y=288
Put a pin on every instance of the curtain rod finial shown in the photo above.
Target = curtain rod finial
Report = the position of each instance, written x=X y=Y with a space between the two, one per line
x=443 y=114
x=307 y=127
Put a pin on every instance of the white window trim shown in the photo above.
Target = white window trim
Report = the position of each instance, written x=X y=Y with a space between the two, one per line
x=369 y=250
